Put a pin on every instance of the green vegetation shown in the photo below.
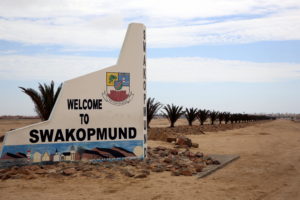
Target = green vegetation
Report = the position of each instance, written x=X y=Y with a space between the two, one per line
x=203 y=116
x=213 y=116
x=173 y=113
x=43 y=99
x=191 y=115
x=152 y=109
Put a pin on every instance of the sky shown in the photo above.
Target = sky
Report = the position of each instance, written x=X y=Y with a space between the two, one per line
x=225 y=55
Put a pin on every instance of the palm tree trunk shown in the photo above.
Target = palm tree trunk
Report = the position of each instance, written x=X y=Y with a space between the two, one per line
x=172 y=124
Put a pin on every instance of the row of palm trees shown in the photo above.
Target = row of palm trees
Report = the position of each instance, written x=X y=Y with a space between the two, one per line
x=173 y=113
x=45 y=97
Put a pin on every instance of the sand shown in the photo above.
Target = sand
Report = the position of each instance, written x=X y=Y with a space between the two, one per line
x=269 y=168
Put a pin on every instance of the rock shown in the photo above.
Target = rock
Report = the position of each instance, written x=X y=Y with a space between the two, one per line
x=174 y=151
x=195 y=145
x=216 y=162
x=23 y=170
x=189 y=154
x=168 y=160
x=199 y=154
x=186 y=172
x=175 y=173
x=89 y=168
x=88 y=174
x=207 y=158
x=61 y=164
x=197 y=160
x=69 y=171
x=163 y=153
x=208 y=162
x=169 y=167
x=51 y=171
x=33 y=167
x=161 y=148
x=171 y=139
x=182 y=140
x=198 y=167
x=40 y=171
x=145 y=171
x=159 y=168
x=141 y=175
x=5 y=176
x=31 y=176
x=2 y=171
x=128 y=173
x=12 y=172
x=181 y=164
x=110 y=176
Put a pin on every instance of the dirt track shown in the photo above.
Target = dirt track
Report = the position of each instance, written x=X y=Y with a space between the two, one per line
x=269 y=168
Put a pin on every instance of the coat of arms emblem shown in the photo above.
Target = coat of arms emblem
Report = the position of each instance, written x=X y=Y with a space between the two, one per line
x=117 y=88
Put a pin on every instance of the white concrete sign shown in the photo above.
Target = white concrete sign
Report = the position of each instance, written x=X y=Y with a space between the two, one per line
x=98 y=116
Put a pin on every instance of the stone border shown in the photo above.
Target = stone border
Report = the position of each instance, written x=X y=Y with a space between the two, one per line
x=223 y=159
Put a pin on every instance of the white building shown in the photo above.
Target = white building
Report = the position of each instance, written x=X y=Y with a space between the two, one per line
x=37 y=157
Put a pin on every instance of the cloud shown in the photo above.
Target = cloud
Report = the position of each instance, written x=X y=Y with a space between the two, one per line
x=185 y=69
x=102 y=24
x=197 y=69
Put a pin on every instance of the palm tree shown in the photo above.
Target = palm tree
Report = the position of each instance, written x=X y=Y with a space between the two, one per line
x=203 y=115
x=173 y=113
x=191 y=115
x=232 y=118
x=152 y=108
x=226 y=117
x=213 y=116
x=44 y=99
x=221 y=117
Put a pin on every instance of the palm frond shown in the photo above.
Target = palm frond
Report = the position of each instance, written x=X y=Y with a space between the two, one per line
x=191 y=115
x=43 y=99
x=172 y=113
x=203 y=116
x=152 y=109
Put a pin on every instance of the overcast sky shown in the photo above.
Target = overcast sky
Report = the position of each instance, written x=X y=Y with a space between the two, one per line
x=227 y=55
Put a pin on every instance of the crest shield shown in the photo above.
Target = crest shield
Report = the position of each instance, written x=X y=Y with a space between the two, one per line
x=117 y=88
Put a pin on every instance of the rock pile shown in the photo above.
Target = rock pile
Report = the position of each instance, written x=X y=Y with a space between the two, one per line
x=159 y=159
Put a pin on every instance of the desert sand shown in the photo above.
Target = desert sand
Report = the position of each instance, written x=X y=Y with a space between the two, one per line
x=269 y=168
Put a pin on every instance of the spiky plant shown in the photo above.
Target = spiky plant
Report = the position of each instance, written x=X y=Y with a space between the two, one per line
x=43 y=99
x=172 y=113
x=202 y=116
x=191 y=115
x=221 y=117
x=226 y=117
x=152 y=109
x=213 y=116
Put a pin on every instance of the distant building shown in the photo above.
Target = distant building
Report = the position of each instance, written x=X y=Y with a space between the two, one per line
x=46 y=157
x=56 y=156
x=69 y=156
x=37 y=157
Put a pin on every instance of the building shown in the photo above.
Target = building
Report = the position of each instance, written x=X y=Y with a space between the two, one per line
x=46 y=157
x=37 y=157
x=56 y=156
